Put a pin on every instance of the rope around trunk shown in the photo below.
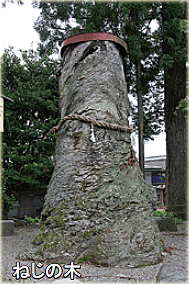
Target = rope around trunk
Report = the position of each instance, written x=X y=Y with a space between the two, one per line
x=95 y=122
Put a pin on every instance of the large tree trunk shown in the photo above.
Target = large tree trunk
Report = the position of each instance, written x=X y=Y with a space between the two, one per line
x=175 y=121
x=98 y=208
x=176 y=143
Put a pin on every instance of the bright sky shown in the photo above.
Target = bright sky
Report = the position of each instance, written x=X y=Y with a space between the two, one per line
x=16 y=24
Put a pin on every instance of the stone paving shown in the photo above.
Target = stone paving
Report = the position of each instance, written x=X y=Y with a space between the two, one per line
x=173 y=267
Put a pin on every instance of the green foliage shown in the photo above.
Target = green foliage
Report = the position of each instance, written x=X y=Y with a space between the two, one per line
x=174 y=34
x=168 y=61
x=28 y=145
x=8 y=202
x=32 y=221
x=182 y=106
x=171 y=214
x=178 y=220
x=163 y=213
x=8 y=199
x=158 y=213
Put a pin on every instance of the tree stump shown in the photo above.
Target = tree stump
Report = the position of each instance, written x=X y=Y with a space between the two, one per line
x=98 y=208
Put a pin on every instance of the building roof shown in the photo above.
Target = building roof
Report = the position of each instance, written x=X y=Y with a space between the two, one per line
x=155 y=163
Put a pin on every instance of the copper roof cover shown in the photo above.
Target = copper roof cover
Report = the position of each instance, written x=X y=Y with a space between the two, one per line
x=94 y=36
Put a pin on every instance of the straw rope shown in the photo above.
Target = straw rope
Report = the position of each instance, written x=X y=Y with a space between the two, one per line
x=99 y=123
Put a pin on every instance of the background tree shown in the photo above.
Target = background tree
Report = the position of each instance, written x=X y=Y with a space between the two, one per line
x=131 y=21
x=143 y=58
x=28 y=145
x=53 y=24
x=173 y=30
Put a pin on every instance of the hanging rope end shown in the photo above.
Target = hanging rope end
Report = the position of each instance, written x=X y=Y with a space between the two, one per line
x=54 y=130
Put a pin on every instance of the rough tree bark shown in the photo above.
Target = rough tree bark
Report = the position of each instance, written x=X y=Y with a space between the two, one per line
x=176 y=142
x=175 y=124
x=98 y=208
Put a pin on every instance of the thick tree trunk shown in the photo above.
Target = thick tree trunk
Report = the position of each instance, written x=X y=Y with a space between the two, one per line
x=176 y=143
x=98 y=209
x=175 y=124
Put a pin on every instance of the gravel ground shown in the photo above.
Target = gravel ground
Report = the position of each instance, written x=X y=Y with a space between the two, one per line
x=175 y=252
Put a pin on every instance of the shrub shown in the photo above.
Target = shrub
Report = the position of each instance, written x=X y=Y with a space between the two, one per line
x=158 y=213
x=31 y=221
x=171 y=214
x=177 y=220
x=8 y=202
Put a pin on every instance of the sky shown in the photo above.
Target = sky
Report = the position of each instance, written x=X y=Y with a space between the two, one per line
x=16 y=22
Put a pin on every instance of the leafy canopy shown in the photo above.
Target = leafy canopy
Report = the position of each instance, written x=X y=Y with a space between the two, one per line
x=28 y=146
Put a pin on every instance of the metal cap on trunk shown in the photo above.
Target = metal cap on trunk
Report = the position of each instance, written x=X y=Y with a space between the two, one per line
x=121 y=44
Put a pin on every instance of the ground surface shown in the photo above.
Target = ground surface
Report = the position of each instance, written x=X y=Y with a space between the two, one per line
x=175 y=254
